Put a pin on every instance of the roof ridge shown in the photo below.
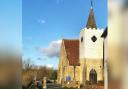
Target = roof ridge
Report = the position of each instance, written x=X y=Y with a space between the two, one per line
x=70 y=39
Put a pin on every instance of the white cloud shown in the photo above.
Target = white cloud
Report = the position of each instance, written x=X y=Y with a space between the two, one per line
x=42 y=21
x=49 y=66
x=52 y=50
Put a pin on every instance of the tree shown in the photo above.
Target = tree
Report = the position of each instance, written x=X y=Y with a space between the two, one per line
x=53 y=75
x=27 y=64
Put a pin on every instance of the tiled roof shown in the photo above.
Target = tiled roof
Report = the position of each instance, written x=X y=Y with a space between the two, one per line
x=72 y=51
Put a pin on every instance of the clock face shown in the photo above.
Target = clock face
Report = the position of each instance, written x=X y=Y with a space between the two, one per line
x=93 y=38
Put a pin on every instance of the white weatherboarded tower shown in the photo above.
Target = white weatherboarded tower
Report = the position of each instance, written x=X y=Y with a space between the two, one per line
x=91 y=51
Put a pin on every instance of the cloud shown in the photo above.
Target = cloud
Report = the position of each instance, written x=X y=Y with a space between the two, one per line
x=52 y=50
x=42 y=21
x=49 y=66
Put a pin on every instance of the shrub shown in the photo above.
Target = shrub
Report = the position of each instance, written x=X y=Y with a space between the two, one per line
x=81 y=85
x=87 y=82
x=101 y=82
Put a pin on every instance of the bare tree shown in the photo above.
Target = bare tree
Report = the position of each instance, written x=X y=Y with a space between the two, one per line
x=27 y=64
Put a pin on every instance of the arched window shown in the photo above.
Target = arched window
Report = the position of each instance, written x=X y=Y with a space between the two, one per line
x=93 y=76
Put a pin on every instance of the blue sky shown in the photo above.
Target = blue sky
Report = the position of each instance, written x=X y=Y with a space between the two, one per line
x=46 y=22
x=11 y=24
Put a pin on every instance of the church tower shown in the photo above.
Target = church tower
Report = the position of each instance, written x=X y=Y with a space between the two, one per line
x=91 y=51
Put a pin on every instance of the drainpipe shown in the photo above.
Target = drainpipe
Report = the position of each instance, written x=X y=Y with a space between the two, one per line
x=74 y=72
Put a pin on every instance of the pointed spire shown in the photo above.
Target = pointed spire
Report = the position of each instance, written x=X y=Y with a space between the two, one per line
x=91 y=23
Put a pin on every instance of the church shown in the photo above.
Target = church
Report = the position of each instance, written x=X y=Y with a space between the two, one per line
x=82 y=59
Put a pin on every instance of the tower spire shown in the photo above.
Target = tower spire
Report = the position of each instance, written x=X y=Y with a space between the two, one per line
x=91 y=23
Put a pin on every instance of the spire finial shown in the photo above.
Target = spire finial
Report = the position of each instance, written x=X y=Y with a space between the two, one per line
x=91 y=23
x=91 y=3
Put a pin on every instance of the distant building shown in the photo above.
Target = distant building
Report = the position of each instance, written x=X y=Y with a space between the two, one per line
x=82 y=59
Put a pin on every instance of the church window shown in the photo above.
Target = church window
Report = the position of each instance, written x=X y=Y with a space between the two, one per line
x=81 y=39
x=93 y=38
x=93 y=76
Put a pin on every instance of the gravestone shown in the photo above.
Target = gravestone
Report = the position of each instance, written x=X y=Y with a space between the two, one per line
x=44 y=83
